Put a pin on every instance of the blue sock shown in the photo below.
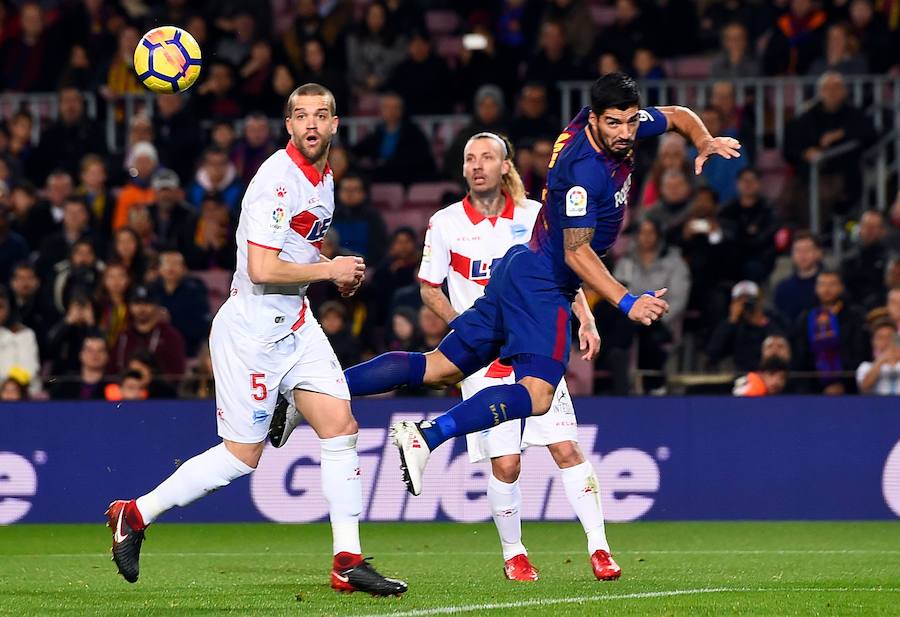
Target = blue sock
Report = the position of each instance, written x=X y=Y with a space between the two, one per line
x=486 y=409
x=387 y=372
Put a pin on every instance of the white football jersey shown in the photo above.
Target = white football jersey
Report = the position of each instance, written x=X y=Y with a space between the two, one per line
x=288 y=207
x=461 y=245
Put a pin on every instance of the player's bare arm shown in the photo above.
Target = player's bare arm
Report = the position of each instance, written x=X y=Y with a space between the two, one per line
x=588 y=336
x=265 y=267
x=686 y=122
x=587 y=265
x=435 y=299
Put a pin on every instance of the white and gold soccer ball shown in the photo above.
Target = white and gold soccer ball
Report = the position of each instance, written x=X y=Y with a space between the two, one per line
x=167 y=59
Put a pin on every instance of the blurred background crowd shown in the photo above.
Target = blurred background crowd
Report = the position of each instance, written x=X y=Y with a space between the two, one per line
x=118 y=209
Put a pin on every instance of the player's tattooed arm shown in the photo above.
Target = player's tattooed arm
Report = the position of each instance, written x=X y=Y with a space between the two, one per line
x=575 y=237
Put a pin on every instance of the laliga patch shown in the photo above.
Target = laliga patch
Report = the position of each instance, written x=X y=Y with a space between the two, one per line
x=576 y=201
x=278 y=216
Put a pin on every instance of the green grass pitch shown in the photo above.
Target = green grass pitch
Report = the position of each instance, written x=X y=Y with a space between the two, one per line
x=846 y=568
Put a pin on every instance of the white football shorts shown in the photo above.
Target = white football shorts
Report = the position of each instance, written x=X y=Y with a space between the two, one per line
x=557 y=425
x=250 y=373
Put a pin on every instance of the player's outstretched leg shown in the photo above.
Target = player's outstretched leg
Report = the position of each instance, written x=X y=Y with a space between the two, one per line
x=386 y=372
x=485 y=409
x=505 y=499
x=583 y=492
x=195 y=478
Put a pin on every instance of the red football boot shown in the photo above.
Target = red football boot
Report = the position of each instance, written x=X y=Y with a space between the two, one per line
x=518 y=568
x=351 y=572
x=605 y=567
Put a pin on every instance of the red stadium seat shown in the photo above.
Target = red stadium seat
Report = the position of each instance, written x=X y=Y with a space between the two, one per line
x=692 y=67
x=431 y=194
x=417 y=218
x=388 y=195
x=218 y=286
x=442 y=22
x=603 y=15
x=770 y=160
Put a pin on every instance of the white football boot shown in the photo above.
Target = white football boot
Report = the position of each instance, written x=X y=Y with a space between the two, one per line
x=414 y=452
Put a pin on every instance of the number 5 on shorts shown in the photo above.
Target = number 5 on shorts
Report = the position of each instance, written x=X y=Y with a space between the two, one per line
x=257 y=383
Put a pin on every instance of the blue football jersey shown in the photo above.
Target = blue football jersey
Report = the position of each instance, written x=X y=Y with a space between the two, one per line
x=585 y=188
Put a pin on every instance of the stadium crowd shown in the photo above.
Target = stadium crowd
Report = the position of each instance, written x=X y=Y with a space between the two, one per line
x=113 y=260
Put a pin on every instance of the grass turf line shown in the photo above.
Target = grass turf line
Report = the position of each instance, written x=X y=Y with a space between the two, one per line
x=845 y=568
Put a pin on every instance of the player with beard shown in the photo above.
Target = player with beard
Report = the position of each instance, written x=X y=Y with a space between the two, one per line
x=523 y=316
x=265 y=342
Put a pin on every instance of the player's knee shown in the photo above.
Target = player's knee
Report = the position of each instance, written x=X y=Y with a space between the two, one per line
x=541 y=394
x=506 y=468
x=439 y=371
x=247 y=453
x=566 y=454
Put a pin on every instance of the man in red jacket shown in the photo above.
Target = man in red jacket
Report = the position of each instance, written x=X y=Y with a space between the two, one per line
x=147 y=330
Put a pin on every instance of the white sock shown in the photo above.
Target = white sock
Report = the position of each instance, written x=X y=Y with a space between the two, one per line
x=343 y=490
x=193 y=479
x=506 y=505
x=583 y=492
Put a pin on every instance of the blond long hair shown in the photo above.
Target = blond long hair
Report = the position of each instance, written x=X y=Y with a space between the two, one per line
x=510 y=182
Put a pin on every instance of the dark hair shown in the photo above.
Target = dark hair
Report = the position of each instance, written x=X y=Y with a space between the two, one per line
x=773 y=364
x=831 y=272
x=24 y=265
x=405 y=231
x=748 y=170
x=805 y=234
x=615 y=90
x=214 y=150
x=132 y=374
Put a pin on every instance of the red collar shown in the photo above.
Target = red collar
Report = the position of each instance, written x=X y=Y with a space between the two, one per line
x=309 y=170
x=476 y=217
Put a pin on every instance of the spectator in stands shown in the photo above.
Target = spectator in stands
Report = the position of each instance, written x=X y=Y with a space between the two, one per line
x=831 y=122
x=723 y=173
x=863 y=270
x=77 y=275
x=631 y=29
x=57 y=246
x=422 y=79
x=517 y=26
x=112 y=300
x=147 y=331
x=216 y=178
x=90 y=382
x=574 y=17
x=237 y=37
x=96 y=194
x=173 y=218
x=796 y=39
x=29 y=304
x=653 y=265
x=11 y=390
x=18 y=345
x=156 y=386
x=881 y=374
x=78 y=72
x=13 y=247
x=770 y=379
x=141 y=162
x=22 y=200
x=797 y=293
x=842 y=53
x=30 y=57
x=534 y=176
x=129 y=388
x=253 y=148
x=339 y=161
x=216 y=97
x=199 y=384
x=736 y=60
x=397 y=271
x=127 y=250
x=283 y=83
x=647 y=67
x=892 y=237
x=776 y=346
x=830 y=338
x=672 y=209
x=404 y=332
x=740 y=336
x=185 y=298
x=21 y=149
x=488 y=116
x=874 y=35
x=373 y=50
x=552 y=62
x=397 y=150
x=213 y=241
x=224 y=137
x=361 y=226
x=121 y=77
x=671 y=154
x=46 y=217
x=177 y=134
x=750 y=224
x=533 y=120
x=893 y=306
x=708 y=255
x=485 y=65
x=333 y=318
x=66 y=336
x=432 y=327
x=317 y=69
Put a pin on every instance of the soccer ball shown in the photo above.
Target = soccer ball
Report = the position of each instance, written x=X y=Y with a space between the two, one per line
x=167 y=59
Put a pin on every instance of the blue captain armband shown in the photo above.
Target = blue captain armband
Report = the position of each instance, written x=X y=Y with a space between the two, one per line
x=628 y=301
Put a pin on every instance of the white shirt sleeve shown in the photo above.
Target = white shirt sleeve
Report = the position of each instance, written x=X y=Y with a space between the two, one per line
x=269 y=211
x=861 y=372
x=435 y=257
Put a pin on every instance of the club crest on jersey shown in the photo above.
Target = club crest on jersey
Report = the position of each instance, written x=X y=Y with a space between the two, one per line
x=281 y=191
x=311 y=227
x=576 y=201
